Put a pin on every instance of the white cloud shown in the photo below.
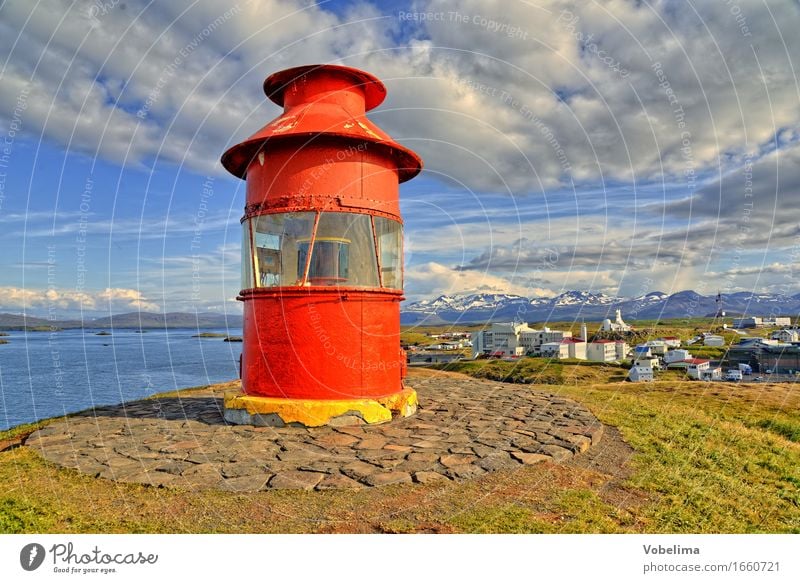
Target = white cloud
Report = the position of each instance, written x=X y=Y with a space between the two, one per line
x=489 y=109
x=761 y=196
x=202 y=281
x=51 y=299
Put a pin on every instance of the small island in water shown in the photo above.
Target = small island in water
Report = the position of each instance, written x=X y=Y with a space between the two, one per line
x=226 y=337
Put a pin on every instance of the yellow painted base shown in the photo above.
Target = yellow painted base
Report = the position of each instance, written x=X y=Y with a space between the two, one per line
x=244 y=409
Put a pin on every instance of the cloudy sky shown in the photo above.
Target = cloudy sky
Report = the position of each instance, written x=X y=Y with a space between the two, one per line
x=618 y=146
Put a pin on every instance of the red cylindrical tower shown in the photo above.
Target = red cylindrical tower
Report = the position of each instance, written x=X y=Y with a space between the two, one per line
x=322 y=255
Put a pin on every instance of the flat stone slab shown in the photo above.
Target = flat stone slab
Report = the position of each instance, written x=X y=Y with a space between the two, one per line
x=463 y=429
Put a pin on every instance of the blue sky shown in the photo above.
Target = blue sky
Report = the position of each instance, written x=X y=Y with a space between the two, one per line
x=619 y=147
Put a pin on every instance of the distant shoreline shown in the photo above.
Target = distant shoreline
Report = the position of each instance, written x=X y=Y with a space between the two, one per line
x=126 y=321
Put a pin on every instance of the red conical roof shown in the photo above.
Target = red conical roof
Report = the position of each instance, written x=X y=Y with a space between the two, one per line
x=322 y=101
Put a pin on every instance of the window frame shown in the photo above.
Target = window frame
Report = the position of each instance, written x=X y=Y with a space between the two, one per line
x=255 y=271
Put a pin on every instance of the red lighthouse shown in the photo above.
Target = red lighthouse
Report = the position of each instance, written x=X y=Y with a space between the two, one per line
x=322 y=256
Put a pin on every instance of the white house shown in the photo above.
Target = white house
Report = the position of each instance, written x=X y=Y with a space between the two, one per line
x=621 y=349
x=618 y=325
x=639 y=374
x=713 y=340
x=648 y=361
x=671 y=341
x=658 y=347
x=677 y=355
x=696 y=367
x=602 y=351
x=787 y=335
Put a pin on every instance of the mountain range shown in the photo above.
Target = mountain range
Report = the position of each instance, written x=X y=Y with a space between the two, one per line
x=570 y=305
x=476 y=308
x=134 y=320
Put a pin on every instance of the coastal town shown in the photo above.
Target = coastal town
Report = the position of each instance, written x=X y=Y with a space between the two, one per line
x=748 y=349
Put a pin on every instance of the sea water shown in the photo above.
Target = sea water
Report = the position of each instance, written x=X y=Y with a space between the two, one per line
x=44 y=374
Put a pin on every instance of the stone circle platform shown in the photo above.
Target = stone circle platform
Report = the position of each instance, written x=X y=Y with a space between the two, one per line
x=463 y=429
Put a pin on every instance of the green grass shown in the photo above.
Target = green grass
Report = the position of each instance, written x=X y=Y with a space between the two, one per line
x=417 y=339
x=18 y=514
x=708 y=352
x=787 y=429
x=510 y=519
x=709 y=458
x=538 y=370
x=714 y=474
x=722 y=458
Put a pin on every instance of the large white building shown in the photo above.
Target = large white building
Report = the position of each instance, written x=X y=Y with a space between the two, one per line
x=602 y=351
x=499 y=339
x=567 y=348
x=758 y=322
x=514 y=339
x=576 y=347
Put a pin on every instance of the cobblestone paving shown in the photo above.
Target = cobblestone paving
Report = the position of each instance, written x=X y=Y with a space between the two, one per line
x=464 y=428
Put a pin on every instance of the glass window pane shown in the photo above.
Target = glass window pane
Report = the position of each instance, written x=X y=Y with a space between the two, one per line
x=329 y=262
x=344 y=251
x=343 y=254
x=276 y=241
x=390 y=245
x=247 y=258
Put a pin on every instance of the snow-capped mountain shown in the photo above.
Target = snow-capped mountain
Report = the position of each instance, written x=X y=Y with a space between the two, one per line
x=580 y=298
x=487 y=307
x=464 y=303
